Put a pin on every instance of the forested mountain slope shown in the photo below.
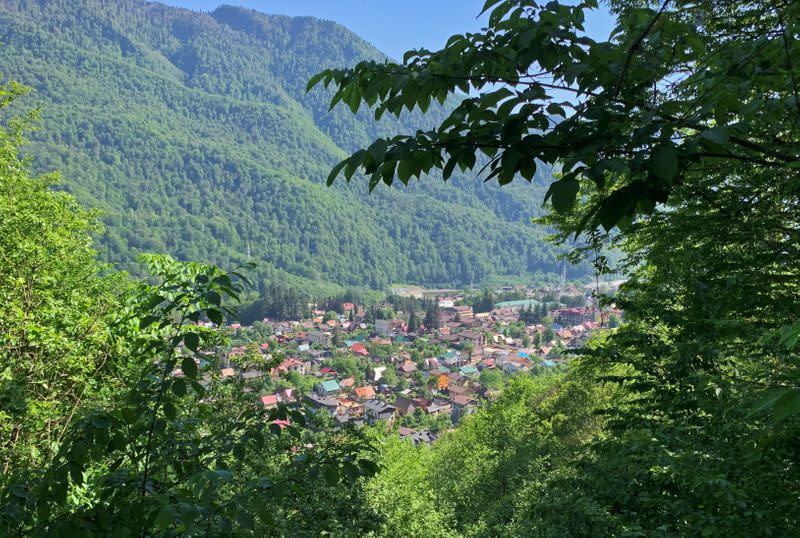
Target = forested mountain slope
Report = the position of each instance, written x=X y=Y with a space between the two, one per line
x=194 y=134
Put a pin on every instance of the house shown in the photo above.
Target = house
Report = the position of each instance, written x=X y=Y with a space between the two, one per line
x=286 y=395
x=330 y=405
x=406 y=368
x=469 y=337
x=319 y=337
x=458 y=390
x=513 y=366
x=292 y=364
x=269 y=401
x=377 y=372
x=358 y=349
x=572 y=316
x=439 y=407
x=424 y=436
x=225 y=373
x=347 y=383
x=251 y=375
x=376 y=410
x=365 y=393
x=383 y=327
x=351 y=407
x=431 y=363
x=442 y=381
x=451 y=358
x=405 y=406
x=468 y=370
x=462 y=405
x=328 y=388
x=457 y=378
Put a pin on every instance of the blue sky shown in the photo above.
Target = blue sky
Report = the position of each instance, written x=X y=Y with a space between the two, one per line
x=393 y=26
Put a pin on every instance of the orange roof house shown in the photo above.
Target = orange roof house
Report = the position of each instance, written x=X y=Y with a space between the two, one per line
x=365 y=393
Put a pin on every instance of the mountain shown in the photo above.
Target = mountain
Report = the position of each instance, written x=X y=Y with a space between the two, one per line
x=192 y=132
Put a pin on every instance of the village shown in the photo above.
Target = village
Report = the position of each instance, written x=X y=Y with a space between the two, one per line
x=367 y=364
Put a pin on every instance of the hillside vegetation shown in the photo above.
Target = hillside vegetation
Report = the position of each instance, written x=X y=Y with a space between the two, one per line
x=193 y=133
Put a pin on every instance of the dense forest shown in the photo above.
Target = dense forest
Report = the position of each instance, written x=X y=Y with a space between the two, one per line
x=193 y=133
x=682 y=151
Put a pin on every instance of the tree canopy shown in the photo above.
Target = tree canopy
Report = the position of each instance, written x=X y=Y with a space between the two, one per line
x=677 y=142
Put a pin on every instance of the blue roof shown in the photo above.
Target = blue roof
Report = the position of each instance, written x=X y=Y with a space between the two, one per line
x=548 y=363
x=523 y=354
x=330 y=385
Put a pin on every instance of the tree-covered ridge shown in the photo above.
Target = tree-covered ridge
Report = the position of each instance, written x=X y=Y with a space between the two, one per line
x=231 y=154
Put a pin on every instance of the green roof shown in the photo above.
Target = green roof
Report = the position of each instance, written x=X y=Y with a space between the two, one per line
x=330 y=385
x=468 y=369
x=523 y=302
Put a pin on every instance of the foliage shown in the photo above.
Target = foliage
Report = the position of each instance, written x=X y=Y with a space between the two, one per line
x=680 y=146
x=114 y=419
x=56 y=350
x=193 y=134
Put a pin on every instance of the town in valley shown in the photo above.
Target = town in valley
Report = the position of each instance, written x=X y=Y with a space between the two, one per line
x=417 y=362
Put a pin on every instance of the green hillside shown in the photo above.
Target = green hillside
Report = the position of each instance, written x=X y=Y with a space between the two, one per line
x=193 y=134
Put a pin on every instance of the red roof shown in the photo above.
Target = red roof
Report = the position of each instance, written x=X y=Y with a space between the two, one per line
x=365 y=392
x=269 y=399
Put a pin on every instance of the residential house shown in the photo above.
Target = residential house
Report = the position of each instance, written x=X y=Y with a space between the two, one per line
x=405 y=406
x=319 y=337
x=383 y=327
x=462 y=405
x=365 y=393
x=468 y=371
x=269 y=401
x=376 y=410
x=439 y=406
x=330 y=405
x=406 y=368
x=328 y=388
x=250 y=375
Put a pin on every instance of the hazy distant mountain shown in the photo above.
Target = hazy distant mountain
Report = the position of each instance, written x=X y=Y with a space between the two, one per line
x=193 y=133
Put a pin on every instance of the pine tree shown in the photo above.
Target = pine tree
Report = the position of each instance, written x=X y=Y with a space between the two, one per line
x=432 y=316
x=413 y=323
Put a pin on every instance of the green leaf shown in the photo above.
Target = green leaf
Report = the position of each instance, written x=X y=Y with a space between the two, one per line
x=789 y=335
x=563 y=193
x=717 y=135
x=331 y=475
x=335 y=172
x=664 y=163
x=179 y=386
x=147 y=321
x=212 y=297
x=403 y=171
x=170 y=411
x=313 y=81
x=215 y=316
x=192 y=341
x=189 y=367
x=786 y=405
x=165 y=517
